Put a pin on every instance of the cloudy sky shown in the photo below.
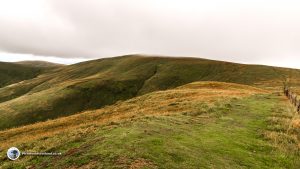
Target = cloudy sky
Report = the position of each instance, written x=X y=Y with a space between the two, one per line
x=69 y=31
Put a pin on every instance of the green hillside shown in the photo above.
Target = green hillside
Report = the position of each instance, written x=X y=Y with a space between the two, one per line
x=94 y=84
x=198 y=125
x=12 y=73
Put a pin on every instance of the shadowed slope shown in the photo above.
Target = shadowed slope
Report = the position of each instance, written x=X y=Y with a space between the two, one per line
x=12 y=73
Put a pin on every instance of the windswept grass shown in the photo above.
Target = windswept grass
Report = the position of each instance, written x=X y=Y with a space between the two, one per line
x=193 y=127
x=195 y=98
x=286 y=131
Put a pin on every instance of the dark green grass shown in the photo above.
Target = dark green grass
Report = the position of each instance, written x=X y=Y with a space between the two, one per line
x=226 y=136
x=12 y=73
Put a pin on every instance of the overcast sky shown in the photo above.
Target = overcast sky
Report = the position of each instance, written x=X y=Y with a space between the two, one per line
x=69 y=31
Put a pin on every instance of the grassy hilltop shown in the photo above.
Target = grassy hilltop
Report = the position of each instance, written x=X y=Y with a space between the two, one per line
x=198 y=125
x=94 y=84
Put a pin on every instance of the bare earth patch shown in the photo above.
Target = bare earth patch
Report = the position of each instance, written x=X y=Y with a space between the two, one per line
x=142 y=163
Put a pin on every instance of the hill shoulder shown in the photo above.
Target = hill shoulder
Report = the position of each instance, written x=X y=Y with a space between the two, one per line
x=42 y=64
x=11 y=73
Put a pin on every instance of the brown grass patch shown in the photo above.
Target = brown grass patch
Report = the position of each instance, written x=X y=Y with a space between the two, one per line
x=142 y=163
x=296 y=123
x=283 y=127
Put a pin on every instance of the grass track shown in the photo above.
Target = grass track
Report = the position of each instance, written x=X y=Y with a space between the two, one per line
x=228 y=135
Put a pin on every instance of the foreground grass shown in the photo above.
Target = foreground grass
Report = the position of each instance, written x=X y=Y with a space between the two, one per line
x=192 y=98
x=229 y=134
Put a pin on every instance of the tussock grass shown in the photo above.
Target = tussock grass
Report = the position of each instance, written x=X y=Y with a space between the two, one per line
x=230 y=135
x=195 y=99
x=281 y=128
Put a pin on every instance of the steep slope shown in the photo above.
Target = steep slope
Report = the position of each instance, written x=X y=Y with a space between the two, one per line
x=12 y=73
x=199 y=125
x=94 y=84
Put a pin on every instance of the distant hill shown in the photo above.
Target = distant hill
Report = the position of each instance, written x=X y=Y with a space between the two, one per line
x=94 y=84
x=12 y=73
x=42 y=64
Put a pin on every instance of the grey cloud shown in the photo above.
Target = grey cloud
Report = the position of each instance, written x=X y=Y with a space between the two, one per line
x=251 y=32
